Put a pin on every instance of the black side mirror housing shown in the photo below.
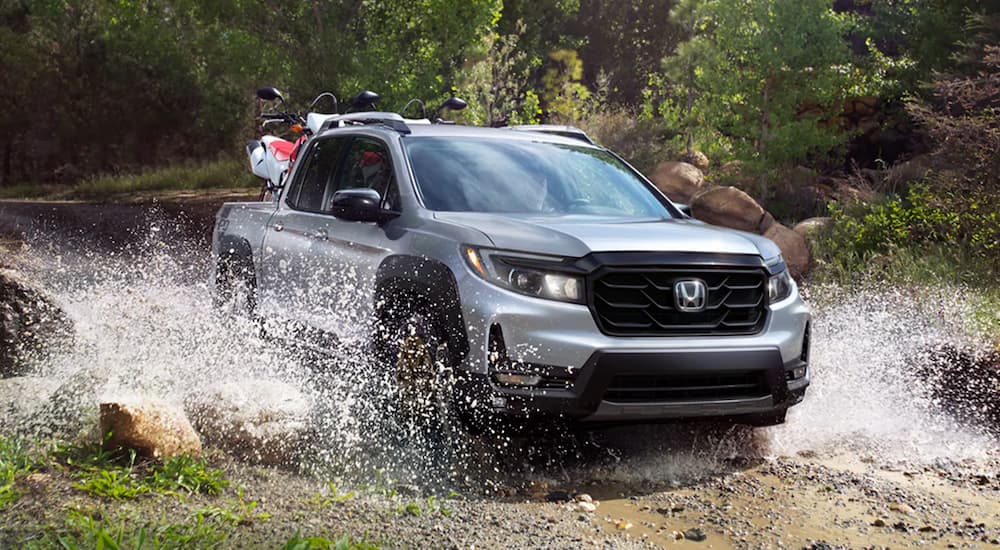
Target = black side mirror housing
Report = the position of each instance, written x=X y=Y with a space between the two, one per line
x=365 y=100
x=684 y=208
x=359 y=205
x=452 y=104
x=270 y=93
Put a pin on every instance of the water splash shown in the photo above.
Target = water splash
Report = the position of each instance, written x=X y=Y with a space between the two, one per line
x=145 y=323
x=867 y=393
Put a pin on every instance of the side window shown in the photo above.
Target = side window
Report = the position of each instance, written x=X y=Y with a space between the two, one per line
x=369 y=164
x=317 y=174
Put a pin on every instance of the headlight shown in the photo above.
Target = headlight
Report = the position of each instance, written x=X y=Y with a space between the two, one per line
x=779 y=286
x=526 y=274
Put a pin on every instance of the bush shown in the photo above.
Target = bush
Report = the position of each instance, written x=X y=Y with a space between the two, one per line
x=642 y=141
x=932 y=232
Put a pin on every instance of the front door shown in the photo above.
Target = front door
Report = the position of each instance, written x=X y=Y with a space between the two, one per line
x=317 y=269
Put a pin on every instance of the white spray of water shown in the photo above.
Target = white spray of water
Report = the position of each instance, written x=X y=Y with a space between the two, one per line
x=146 y=323
x=866 y=393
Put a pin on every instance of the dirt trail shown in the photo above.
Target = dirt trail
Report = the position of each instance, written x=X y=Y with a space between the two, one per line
x=870 y=471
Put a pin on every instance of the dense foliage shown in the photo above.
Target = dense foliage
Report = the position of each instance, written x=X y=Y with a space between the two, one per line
x=954 y=208
x=98 y=86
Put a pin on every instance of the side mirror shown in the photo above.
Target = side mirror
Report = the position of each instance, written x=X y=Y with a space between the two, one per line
x=270 y=94
x=359 y=205
x=452 y=104
x=365 y=100
x=684 y=208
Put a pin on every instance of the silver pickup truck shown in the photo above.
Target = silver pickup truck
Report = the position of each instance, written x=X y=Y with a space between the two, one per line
x=515 y=273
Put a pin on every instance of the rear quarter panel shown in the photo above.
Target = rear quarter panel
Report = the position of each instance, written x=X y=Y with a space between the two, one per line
x=241 y=224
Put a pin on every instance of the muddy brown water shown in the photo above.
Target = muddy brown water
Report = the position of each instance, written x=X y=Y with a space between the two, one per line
x=866 y=461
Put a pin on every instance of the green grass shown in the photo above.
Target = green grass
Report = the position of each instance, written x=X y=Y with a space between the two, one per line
x=220 y=174
x=81 y=530
x=117 y=475
x=15 y=462
x=298 y=542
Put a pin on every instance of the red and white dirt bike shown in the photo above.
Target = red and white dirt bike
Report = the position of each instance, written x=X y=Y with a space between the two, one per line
x=271 y=157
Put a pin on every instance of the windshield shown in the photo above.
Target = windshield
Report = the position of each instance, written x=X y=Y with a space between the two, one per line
x=460 y=174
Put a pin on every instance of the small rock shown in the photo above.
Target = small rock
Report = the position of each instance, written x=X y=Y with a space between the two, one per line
x=695 y=534
x=900 y=526
x=153 y=428
x=927 y=529
x=677 y=535
x=878 y=523
x=901 y=508
x=586 y=507
x=623 y=525
x=584 y=497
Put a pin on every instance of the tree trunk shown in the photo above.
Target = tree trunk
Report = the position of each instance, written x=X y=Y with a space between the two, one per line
x=690 y=107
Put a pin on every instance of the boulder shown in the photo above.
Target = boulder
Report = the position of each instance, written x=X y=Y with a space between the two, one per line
x=793 y=247
x=30 y=323
x=678 y=180
x=730 y=207
x=964 y=382
x=22 y=401
x=72 y=410
x=809 y=227
x=261 y=421
x=153 y=428
x=696 y=159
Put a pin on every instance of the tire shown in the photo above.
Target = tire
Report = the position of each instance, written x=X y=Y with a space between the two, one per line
x=235 y=285
x=421 y=372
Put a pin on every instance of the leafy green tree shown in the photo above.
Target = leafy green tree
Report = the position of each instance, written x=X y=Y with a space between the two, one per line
x=564 y=97
x=496 y=83
x=623 y=43
x=763 y=75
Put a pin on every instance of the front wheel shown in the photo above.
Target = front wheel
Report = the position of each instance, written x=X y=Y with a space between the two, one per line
x=422 y=372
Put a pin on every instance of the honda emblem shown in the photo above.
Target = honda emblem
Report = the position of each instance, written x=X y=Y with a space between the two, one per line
x=690 y=295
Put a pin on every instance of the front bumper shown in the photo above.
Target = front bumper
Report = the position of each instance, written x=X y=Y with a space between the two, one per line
x=591 y=398
x=565 y=337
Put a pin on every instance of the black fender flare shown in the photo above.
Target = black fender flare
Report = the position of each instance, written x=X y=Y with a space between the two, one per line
x=413 y=281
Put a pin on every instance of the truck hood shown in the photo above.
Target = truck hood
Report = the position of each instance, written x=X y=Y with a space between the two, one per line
x=579 y=235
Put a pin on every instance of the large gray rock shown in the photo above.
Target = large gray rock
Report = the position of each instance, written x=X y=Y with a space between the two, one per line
x=153 y=428
x=810 y=227
x=261 y=421
x=730 y=207
x=678 y=180
x=23 y=401
x=30 y=324
x=793 y=247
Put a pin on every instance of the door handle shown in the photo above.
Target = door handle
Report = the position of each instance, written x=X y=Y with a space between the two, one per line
x=278 y=227
x=321 y=234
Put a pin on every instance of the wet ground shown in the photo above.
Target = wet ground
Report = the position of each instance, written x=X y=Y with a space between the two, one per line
x=868 y=461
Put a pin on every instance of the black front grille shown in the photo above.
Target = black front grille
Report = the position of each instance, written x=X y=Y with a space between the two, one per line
x=685 y=387
x=640 y=302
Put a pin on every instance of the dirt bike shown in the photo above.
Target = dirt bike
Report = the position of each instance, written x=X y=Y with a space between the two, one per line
x=272 y=157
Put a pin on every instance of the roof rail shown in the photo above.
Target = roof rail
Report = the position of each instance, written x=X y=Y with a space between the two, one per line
x=390 y=120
